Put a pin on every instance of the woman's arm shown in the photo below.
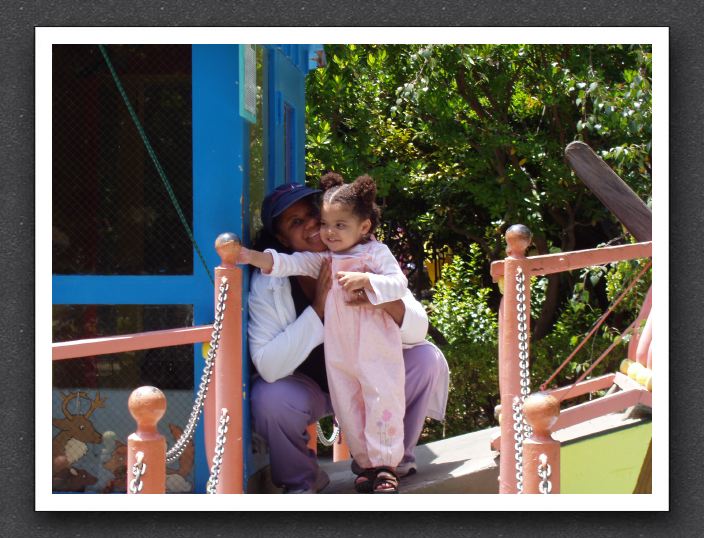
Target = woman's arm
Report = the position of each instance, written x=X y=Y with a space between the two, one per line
x=414 y=327
x=407 y=312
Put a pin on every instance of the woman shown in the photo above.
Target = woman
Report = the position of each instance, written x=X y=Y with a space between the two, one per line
x=286 y=315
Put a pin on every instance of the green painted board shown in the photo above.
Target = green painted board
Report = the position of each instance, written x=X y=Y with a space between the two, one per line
x=605 y=463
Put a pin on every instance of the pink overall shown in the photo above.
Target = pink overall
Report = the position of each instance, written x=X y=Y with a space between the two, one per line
x=363 y=353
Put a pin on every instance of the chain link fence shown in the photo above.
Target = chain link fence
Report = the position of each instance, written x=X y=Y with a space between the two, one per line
x=111 y=215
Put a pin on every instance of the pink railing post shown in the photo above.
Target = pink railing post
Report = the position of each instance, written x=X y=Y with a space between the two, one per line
x=518 y=239
x=540 y=411
x=146 y=446
x=340 y=450
x=229 y=390
x=312 y=438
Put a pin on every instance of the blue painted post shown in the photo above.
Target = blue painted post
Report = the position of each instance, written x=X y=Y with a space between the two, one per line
x=219 y=165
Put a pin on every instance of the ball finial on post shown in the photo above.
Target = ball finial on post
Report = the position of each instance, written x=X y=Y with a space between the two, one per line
x=540 y=450
x=541 y=411
x=147 y=406
x=146 y=445
x=228 y=246
x=518 y=239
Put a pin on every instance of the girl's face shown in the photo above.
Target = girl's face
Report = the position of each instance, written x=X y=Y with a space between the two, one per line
x=298 y=228
x=340 y=228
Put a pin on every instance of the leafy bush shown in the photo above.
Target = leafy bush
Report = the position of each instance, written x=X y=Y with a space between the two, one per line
x=461 y=312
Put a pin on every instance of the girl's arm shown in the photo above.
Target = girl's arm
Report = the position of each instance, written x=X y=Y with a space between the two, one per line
x=386 y=283
x=262 y=260
x=274 y=263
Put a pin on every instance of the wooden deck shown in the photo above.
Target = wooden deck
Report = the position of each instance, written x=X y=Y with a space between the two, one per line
x=463 y=464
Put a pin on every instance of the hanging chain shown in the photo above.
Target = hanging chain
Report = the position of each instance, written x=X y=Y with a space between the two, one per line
x=518 y=438
x=139 y=468
x=175 y=452
x=212 y=485
x=544 y=472
x=522 y=429
x=321 y=436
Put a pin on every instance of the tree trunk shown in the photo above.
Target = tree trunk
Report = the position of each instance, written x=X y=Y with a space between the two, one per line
x=552 y=296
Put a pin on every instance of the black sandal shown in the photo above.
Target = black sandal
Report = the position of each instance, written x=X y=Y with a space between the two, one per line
x=364 y=481
x=386 y=480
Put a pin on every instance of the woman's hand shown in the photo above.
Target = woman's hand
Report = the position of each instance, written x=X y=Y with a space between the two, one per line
x=352 y=280
x=322 y=287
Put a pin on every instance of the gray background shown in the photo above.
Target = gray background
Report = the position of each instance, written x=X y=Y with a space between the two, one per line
x=18 y=19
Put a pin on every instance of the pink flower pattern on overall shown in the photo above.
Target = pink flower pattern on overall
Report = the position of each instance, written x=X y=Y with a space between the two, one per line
x=386 y=431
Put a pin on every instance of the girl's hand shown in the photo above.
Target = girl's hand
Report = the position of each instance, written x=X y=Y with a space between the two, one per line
x=243 y=256
x=352 y=280
x=262 y=260
x=322 y=288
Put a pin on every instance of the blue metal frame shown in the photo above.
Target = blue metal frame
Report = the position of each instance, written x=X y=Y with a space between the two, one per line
x=219 y=171
x=286 y=86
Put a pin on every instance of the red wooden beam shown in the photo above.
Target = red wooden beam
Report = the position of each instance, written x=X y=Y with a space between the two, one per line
x=130 y=342
x=568 y=261
x=600 y=407
x=585 y=387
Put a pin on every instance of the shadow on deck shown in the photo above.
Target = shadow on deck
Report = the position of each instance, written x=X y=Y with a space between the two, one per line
x=465 y=463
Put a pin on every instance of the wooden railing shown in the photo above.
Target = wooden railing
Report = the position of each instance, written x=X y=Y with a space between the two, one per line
x=147 y=404
x=505 y=272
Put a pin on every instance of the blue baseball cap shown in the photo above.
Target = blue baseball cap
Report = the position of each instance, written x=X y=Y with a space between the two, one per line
x=280 y=199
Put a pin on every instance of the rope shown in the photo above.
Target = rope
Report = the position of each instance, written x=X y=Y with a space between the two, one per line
x=597 y=324
x=155 y=160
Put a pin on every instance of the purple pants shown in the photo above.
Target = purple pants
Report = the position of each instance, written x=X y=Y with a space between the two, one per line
x=282 y=411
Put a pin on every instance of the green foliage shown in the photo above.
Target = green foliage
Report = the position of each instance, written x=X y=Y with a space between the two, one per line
x=462 y=314
x=460 y=306
x=464 y=140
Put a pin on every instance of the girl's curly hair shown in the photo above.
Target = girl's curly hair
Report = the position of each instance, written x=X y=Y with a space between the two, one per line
x=359 y=196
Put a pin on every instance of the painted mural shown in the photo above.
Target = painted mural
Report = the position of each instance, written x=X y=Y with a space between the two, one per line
x=89 y=446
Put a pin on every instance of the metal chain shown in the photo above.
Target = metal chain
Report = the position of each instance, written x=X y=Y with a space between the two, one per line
x=518 y=438
x=139 y=468
x=175 y=452
x=544 y=472
x=212 y=485
x=521 y=428
x=321 y=436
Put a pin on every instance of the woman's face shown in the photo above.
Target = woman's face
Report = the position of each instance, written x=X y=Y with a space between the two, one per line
x=298 y=228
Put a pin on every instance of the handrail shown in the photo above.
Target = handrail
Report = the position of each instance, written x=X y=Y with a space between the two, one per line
x=130 y=342
x=546 y=264
x=514 y=338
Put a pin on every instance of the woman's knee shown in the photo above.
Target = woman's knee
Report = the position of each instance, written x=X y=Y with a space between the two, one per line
x=285 y=401
x=423 y=363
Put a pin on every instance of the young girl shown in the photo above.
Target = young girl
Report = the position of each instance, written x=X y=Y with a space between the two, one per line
x=363 y=353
